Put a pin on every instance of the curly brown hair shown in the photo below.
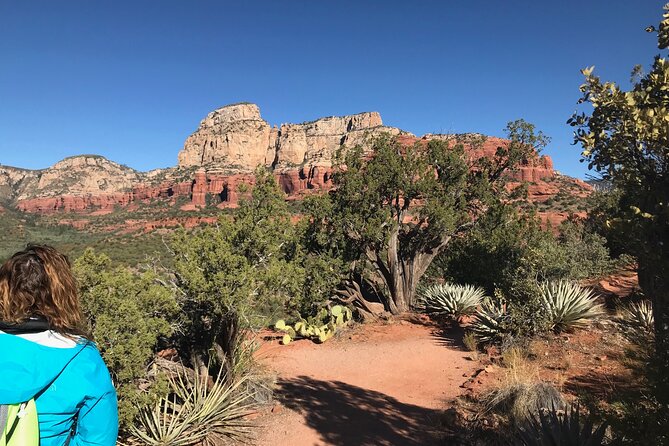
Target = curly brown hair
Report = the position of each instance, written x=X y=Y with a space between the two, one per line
x=38 y=281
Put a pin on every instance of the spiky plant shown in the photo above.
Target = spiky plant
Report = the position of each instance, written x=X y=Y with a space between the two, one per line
x=489 y=321
x=196 y=412
x=568 y=305
x=450 y=299
x=640 y=315
x=639 y=322
x=557 y=427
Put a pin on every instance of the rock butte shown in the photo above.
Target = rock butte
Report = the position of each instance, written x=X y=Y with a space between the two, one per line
x=217 y=158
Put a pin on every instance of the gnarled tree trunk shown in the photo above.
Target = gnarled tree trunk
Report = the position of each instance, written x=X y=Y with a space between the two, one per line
x=402 y=273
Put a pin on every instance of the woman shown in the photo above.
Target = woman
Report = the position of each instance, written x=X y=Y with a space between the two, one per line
x=45 y=355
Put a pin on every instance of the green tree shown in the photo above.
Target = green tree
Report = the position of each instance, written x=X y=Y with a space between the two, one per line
x=236 y=274
x=395 y=209
x=625 y=138
x=128 y=314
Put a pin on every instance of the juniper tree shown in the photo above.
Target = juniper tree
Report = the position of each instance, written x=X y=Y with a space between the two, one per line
x=396 y=207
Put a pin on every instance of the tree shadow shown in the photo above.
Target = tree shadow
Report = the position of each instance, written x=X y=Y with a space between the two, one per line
x=344 y=414
x=600 y=385
x=450 y=334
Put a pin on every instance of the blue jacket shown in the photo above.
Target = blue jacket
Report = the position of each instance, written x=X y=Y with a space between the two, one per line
x=69 y=381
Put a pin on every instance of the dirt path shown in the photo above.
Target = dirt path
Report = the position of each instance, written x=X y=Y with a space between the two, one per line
x=380 y=385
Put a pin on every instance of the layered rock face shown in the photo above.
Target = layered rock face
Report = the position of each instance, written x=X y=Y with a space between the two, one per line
x=316 y=142
x=78 y=176
x=234 y=136
x=216 y=160
x=11 y=180
x=531 y=170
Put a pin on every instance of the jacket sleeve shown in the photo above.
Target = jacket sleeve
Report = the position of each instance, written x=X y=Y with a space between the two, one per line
x=98 y=421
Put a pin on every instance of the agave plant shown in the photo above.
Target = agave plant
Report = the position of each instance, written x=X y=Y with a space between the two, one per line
x=568 y=305
x=639 y=322
x=196 y=411
x=640 y=316
x=489 y=321
x=450 y=300
x=557 y=427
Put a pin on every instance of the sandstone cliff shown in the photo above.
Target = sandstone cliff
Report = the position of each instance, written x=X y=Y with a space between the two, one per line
x=78 y=175
x=236 y=136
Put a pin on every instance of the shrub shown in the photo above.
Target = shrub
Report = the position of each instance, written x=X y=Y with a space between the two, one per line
x=521 y=393
x=128 y=313
x=568 y=305
x=557 y=427
x=470 y=342
x=236 y=275
x=508 y=250
x=450 y=300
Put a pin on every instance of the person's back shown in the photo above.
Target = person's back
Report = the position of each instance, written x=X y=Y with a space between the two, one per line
x=64 y=373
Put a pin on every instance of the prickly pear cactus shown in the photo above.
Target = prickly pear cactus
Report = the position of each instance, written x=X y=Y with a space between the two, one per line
x=319 y=328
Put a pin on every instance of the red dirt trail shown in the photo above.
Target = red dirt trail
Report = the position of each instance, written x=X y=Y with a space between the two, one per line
x=378 y=384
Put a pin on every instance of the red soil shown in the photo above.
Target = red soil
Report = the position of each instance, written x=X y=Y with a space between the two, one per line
x=377 y=384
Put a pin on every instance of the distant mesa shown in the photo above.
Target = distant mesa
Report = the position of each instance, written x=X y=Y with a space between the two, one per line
x=236 y=136
x=216 y=159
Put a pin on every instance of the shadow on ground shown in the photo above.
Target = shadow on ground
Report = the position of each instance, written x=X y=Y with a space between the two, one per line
x=344 y=414
x=450 y=335
x=600 y=385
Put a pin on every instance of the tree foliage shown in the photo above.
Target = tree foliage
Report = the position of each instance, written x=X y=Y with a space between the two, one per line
x=128 y=313
x=507 y=246
x=625 y=138
x=237 y=274
x=393 y=210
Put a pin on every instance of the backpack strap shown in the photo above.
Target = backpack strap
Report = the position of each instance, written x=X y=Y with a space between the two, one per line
x=28 y=410
x=28 y=407
x=4 y=413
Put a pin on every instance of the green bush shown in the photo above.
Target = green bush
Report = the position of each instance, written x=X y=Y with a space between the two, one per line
x=237 y=275
x=509 y=254
x=508 y=248
x=128 y=314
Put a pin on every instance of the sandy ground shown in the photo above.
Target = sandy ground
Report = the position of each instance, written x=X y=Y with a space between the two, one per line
x=380 y=384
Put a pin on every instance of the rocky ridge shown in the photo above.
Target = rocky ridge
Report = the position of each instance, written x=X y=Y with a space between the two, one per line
x=216 y=159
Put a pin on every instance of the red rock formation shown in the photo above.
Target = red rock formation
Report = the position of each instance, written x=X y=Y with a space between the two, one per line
x=199 y=195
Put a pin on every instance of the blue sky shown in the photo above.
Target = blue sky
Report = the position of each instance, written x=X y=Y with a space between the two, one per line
x=131 y=80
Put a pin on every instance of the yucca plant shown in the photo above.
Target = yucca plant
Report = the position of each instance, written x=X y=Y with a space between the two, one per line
x=568 y=305
x=451 y=300
x=639 y=322
x=196 y=412
x=639 y=315
x=489 y=321
x=556 y=427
